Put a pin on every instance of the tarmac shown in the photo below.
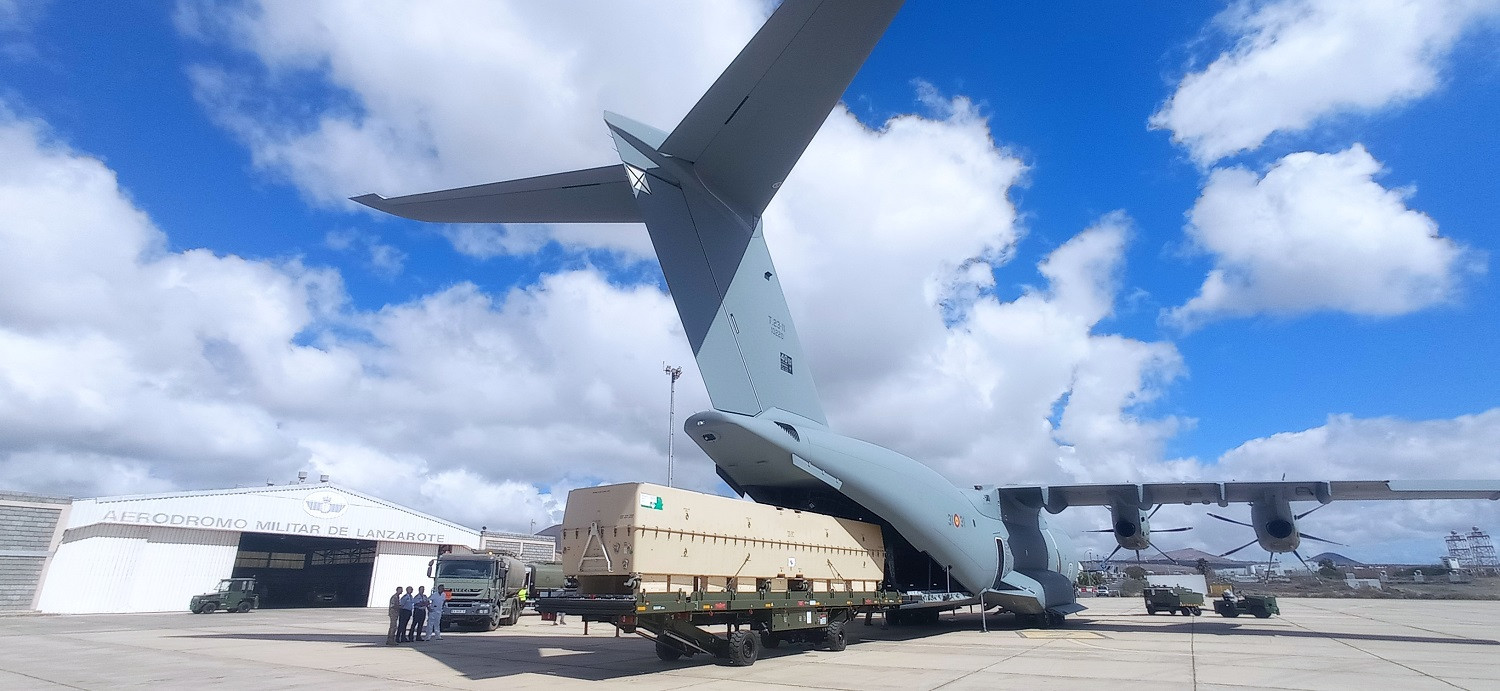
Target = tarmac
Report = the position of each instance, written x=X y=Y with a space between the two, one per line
x=1315 y=644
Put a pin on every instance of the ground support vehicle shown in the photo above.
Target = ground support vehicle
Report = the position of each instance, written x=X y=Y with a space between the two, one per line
x=232 y=594
x=1262 y=606
x=753 y=620
x=485 y=587
x=1173 y=600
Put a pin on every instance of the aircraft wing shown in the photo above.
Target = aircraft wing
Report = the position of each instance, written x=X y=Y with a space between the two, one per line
x=745 y=134
x=1055 y=498
x=595 y=195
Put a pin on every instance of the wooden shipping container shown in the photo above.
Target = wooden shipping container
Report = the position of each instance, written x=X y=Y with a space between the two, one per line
x=639 y=537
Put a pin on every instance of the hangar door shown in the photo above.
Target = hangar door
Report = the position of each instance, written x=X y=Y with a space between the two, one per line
x=306 y=571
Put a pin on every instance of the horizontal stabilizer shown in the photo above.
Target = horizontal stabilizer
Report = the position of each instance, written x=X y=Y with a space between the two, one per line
x=595 y=195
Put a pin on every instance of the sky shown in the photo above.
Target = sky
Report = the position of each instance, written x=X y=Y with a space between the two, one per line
x=1071 y=242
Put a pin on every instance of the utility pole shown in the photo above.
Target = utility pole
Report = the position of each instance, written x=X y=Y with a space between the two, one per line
x=674 y=373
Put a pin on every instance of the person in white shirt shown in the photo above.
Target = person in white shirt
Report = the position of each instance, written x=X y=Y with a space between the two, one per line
x=436 y=605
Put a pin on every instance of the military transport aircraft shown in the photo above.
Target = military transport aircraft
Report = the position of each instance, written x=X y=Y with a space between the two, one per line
x=700 y=190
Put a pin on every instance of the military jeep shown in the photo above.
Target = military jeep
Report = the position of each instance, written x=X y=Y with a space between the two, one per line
x=232 y=594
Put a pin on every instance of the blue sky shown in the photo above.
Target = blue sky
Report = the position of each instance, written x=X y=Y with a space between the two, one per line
x=237 y=129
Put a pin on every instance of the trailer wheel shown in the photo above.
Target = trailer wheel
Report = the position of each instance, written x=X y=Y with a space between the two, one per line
x=744 y=648
x=836 y=637
x=666 y=652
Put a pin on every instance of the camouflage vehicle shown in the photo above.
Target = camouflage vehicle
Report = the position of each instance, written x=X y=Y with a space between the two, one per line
x=486 y=588
x=1175 y=600
x=232 y=594
x=1262 y=606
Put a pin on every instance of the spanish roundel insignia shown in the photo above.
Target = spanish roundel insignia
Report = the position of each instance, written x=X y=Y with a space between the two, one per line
x=958 y=521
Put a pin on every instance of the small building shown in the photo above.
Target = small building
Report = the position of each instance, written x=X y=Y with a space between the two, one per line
x=31 y=526
x=520 y=545
x=308 y=545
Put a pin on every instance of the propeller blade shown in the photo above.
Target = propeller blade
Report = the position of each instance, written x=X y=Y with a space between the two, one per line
x=1168 y=556
x=1304 y=562
x=1112 y=554
x=1247 y=544
x=1231 y=520
x=1106 y=530
x=1170 y=530
x=1314 y=538
x=1137 y=557
x=1305 y=513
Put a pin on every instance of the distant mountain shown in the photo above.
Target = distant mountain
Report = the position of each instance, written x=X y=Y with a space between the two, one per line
x=1336 y=558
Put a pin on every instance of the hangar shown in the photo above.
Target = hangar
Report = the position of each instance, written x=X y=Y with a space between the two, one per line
x=308 y=545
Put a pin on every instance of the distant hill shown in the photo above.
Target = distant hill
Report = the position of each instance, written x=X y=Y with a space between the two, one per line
x=1336 y=558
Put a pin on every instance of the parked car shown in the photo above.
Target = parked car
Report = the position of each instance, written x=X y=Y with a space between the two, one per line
x=1104 y=591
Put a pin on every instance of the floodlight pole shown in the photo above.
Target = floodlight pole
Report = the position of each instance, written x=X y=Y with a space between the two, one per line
x=674 y=373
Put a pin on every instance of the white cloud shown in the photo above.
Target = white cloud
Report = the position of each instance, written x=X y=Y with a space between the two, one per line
x=1317 y=232
x=1296 y=62
x=386 y=261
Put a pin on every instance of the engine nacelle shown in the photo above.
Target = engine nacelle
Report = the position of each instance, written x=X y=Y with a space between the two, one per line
x=1275 y=525
x=1132 y=527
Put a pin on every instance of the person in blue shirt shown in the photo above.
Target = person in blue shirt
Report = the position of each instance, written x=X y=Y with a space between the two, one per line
x=407 y=602
x=419 y=615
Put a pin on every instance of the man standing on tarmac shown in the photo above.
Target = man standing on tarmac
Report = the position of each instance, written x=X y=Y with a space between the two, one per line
x=419 y=615
x=437 y=603
x=407 y=602
x=393 y=634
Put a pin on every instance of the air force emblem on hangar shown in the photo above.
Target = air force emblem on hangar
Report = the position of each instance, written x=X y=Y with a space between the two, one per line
x=326 y=504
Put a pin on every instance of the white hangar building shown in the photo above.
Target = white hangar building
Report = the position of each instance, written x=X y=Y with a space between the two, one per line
x=306 y=544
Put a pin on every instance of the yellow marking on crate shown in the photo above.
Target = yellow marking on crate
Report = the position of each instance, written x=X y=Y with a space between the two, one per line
x=1059 y=634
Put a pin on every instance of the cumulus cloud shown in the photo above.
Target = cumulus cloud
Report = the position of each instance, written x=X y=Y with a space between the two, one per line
x=1295 y=62
x=1317 y=232
x=131 y=368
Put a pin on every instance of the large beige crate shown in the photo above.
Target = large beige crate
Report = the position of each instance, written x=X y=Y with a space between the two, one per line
x=661 y=539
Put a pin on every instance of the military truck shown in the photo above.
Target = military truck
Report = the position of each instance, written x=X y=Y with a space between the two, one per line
x=232 y=594
x=486 y=588
x=1175 y=600
x=1262 y=606
x=544 y=579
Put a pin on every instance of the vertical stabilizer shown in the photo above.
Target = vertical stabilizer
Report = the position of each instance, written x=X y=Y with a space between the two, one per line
x=726 y=289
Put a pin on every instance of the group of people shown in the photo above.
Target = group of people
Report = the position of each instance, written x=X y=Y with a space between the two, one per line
x=417 y=616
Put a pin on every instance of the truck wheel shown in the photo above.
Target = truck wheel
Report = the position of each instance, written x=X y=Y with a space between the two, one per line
x=667 y=653
x=243 y=607
x=836 y=637
x=515 y=615
x=492 y=623
x=1151 y=610
x=744 y=648
x=1262 y=615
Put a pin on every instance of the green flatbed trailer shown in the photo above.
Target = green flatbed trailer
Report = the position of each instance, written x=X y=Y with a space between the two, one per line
x=752 y=620
x=1173 y=600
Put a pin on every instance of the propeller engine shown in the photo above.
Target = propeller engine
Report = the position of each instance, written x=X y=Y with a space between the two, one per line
x=1132 y=529
x=1276 y=528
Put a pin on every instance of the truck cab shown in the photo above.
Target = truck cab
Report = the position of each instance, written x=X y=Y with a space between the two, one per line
x=485 y=588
